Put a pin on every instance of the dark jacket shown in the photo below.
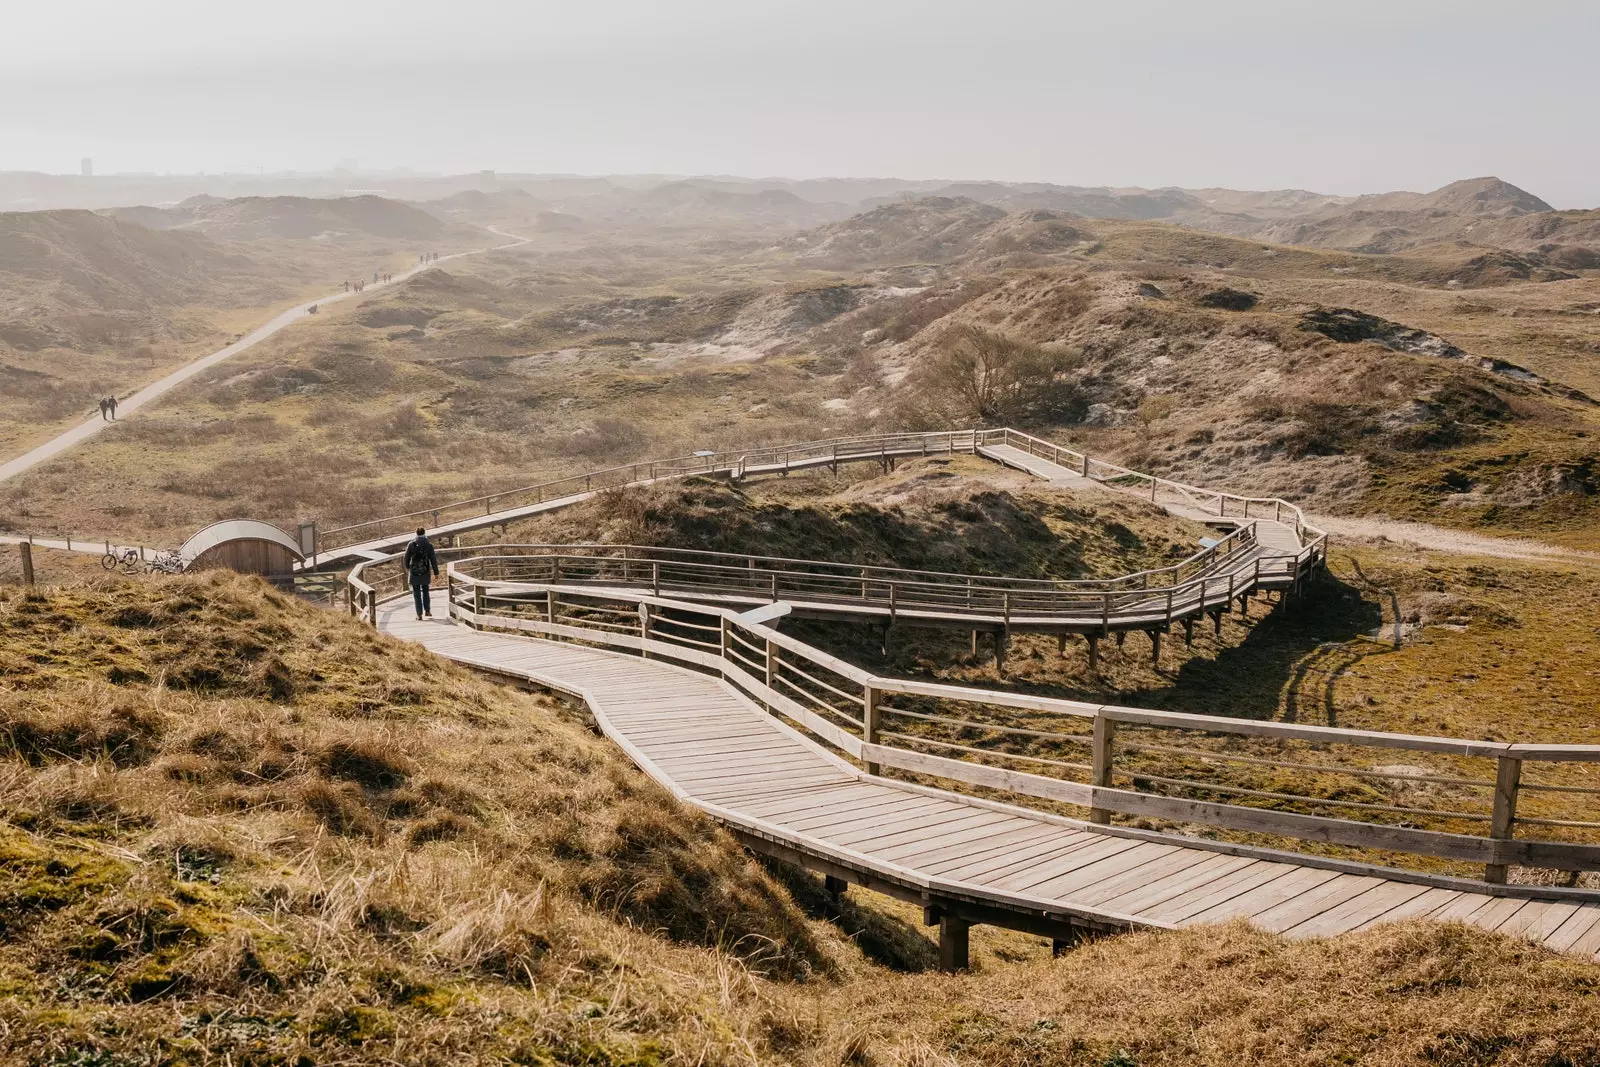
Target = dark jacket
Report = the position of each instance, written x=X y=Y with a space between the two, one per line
x=421 y=558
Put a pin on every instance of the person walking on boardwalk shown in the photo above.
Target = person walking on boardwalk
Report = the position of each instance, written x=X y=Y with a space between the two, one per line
x=103 y=409
x=111 y=405
x=422 y=566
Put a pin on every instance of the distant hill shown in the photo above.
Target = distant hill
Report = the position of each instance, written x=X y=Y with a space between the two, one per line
x=1474 y=196
x=259 y=218
x=933 y=229
x=1486 y=213
x=477 y=204
x=82 y=260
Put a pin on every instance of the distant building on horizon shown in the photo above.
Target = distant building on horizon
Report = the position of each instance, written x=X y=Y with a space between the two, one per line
x=86 y=167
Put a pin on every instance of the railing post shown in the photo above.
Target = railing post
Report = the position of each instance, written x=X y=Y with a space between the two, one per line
x=1086 y=464
x=449 y=592
x=1502 y=824
x=869 y=724
x=772 y=667
x=655 y=577
x=723 y=641
x=550 y=607
x=1103 y=746
x=25 y=549
x=477 y=605
x=644 y=628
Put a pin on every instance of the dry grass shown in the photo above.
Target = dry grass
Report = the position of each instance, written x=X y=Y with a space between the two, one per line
x=238 y=830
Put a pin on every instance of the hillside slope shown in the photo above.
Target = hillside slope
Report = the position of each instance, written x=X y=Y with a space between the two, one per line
x=259 y=218
x=79 y=261
x=238 y=829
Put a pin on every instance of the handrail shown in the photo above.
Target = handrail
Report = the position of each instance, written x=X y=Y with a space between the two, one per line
x=1087 y=464
x=912 y=596
x=782 y=459
x=1122 y=778
x=710 y=463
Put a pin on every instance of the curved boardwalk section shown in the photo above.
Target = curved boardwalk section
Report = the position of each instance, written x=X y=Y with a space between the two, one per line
x=966 y=860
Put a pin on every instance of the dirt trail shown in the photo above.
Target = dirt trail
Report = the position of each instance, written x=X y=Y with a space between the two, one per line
x=1441 y=539
x=129 y=405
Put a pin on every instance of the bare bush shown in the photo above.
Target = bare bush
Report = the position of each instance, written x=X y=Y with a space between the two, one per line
x=976 y=376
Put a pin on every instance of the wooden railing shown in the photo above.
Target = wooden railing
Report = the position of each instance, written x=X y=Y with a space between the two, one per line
x=810 y=455
x=1450 y=799
x=1231 y=570
x=739 y=462
x=1211 y=500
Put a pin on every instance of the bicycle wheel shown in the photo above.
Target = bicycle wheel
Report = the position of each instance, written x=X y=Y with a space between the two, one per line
x=110 y=560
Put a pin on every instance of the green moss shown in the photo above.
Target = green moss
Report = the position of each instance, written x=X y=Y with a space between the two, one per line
x=354 y=1025
x=38 y=878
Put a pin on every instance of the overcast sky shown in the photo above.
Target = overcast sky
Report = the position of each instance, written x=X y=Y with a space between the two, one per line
x=1341 y=96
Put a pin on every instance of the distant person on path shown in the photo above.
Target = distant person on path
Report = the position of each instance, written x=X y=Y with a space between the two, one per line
x=102 y=409
x=111 y=405
x=422 y=565
x=347 y=285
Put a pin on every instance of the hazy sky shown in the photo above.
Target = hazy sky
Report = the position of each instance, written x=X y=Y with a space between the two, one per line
x=1340 y=96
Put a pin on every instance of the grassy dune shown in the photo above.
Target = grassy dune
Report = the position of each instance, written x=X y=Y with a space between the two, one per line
x=238 y=830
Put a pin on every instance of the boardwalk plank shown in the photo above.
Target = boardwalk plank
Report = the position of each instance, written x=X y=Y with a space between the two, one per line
x=1369 y=906
x=725 y=752
x=1420 y=906
x=1578 y=923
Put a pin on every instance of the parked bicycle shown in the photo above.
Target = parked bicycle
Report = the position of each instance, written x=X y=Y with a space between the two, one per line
x=165 y=563
x=126 y=560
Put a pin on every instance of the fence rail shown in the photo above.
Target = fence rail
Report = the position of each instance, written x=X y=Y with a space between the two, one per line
x=782 y=459
x=1454 y=799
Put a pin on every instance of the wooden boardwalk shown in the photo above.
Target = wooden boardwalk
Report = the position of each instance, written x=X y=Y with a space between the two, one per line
x=1060 y=466
x=964 y=859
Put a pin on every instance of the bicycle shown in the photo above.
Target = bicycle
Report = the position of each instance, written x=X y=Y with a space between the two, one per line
x=168 y=562
x=126 y=560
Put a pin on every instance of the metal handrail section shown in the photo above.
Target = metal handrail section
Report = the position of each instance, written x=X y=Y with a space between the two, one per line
x=479 y=595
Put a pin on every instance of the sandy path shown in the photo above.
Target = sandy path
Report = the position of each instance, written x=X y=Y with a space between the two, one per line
x=150 y=393
x=1440 y=539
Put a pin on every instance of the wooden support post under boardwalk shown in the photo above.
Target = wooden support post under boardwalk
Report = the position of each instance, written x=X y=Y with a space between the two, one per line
x=1155 y=647
x=954 y=952
x=1216 y=622
x=27 y=564
x=1000 y=651
x=1502 y=825
x=974 y=644
x=1094 y=652
x=954 y=946
x=1188 y=633
x=835 y=888
x=1061 y=643
x=1102 y=750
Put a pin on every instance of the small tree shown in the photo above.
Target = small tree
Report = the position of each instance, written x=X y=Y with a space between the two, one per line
x=976 y=376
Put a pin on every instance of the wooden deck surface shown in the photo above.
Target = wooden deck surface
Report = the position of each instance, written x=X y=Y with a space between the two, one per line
x=1275 y=537
x=715 y=749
